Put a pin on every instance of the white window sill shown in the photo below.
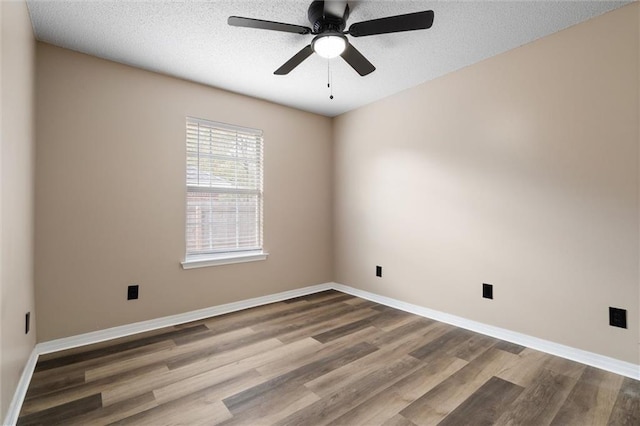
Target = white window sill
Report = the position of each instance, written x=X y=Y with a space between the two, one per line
x=223 y=259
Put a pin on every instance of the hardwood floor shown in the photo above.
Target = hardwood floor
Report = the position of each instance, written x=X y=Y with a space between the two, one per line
x=319 y=359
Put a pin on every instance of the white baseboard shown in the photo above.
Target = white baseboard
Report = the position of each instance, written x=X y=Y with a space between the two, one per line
x=589 y=358
x=21 y=391
x=613 y=365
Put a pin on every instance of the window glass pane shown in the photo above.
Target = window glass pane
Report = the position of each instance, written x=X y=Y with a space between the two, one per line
x=222 y=222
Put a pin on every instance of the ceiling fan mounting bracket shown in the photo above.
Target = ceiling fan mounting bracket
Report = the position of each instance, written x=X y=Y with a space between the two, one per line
x=321 y=23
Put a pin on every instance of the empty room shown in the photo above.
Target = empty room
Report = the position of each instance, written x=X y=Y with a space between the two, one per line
x=297 y=212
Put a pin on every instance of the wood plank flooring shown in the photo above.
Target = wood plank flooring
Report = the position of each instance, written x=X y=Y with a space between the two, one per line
x=327 y=358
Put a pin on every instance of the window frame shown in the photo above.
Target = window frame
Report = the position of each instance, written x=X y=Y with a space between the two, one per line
x=232 y=255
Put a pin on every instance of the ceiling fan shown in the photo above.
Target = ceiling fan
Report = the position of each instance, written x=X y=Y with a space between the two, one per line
x=328 y=20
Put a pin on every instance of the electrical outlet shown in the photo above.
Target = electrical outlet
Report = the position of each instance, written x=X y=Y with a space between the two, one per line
x=378 y=271
x=487 y=291
x=27 y=322
x=132 y=292
x=617 y=317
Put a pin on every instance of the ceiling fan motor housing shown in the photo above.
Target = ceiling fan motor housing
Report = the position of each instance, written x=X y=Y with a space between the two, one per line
x=322 y=23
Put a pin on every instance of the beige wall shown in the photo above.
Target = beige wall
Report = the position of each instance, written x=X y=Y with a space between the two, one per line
x=17 y=143
x=520 y=171
x=110 y=192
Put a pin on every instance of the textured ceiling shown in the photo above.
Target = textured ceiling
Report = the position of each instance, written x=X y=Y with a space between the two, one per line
x=191 y=40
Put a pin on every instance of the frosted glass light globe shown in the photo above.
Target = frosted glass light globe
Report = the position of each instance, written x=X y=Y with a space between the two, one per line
x=329 y=46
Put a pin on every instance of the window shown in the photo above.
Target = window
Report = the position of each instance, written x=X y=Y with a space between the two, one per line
x=224 y=194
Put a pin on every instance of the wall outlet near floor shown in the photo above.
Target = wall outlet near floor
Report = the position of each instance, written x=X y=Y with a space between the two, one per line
x=27 y=322
x=378 y=271
x=132 y=292
x=617 y=317
x=487 y=291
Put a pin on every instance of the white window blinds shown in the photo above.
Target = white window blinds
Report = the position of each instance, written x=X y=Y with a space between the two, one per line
x=224 y=189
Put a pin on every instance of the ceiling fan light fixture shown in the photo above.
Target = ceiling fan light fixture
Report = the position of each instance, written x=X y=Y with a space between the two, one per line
x=328 y=19
x=329 y=45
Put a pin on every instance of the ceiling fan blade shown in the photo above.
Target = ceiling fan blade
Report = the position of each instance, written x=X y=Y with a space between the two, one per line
x=335 y=8
x=238 y=21
x=393 y=24
x=357 y=61
x=296 y=60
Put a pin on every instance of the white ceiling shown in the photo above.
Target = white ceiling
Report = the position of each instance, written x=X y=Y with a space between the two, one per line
x=191 y=40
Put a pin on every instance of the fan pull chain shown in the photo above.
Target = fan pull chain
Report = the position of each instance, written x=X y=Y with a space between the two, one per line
x=329 y=79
